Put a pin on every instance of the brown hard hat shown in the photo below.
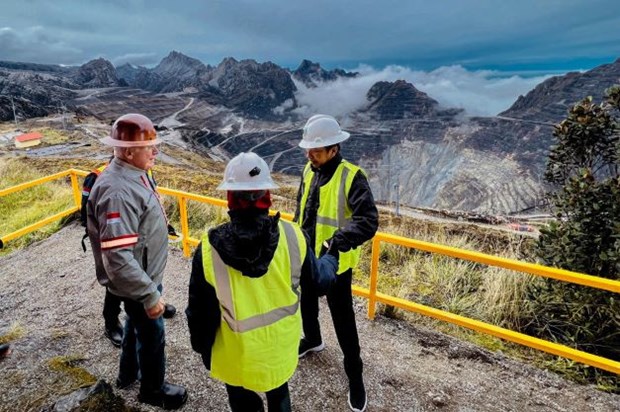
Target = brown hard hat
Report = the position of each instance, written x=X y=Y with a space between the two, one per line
x=132 y=130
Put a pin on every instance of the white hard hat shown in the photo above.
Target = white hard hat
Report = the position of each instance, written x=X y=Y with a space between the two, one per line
x=247 y=171
x=322 y=130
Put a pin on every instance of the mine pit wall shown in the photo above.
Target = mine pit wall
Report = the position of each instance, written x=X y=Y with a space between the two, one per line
x=445 y=176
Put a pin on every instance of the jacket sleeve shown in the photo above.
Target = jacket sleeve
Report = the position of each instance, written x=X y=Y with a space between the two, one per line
x=318 y=274
x=119 y=222
x=364 y=219
x=203 y=310
x=296 y=218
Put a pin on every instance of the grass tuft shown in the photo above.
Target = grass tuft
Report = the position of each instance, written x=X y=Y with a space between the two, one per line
x=68 y=367
x=15 y=332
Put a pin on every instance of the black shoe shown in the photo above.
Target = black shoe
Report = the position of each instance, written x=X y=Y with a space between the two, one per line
x=357 y=398
x=306 y=347
x=115 y=334
x=169 y=397
x=169 y=311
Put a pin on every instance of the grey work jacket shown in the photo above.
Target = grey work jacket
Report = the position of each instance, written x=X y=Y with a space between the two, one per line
x=128 y=233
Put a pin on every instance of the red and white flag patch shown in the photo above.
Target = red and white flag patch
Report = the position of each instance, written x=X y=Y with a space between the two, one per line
x=119 y=241
x=113 y=217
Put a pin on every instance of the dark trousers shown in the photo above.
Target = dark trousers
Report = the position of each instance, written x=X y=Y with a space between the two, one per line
x=245 y=400
x=340 y=303
x=111 y=309
x=142 y=350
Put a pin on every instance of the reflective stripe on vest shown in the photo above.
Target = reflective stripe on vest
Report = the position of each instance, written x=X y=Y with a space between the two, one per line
x=224 y=292
x=333 y=211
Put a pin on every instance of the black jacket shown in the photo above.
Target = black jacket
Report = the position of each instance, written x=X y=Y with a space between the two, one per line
x=364 y=220
x=247 y=243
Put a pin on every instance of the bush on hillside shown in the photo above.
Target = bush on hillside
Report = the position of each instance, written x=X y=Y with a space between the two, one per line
x=583 y=169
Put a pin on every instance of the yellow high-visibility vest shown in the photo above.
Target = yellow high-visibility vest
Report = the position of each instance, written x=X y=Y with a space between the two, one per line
x=256 y=345
x=334 y=211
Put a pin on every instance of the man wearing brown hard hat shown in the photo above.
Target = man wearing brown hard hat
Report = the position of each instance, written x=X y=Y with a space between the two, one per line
x=127 y=228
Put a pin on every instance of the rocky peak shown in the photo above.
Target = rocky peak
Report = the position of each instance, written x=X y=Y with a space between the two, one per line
x=180 y=66
x=312 y=73
x=140 y=77
x=399 y=100
x=550 y=100
x=127 y=72
x=96 y=73
x=254 y=88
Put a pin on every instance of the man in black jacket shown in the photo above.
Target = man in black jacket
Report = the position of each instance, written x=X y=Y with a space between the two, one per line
x=243 y=308
x=335 y=205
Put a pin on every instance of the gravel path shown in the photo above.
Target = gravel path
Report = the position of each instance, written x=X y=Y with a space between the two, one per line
x=50 y=290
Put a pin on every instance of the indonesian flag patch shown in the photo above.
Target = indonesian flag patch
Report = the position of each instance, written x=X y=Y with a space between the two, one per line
x=113 y=217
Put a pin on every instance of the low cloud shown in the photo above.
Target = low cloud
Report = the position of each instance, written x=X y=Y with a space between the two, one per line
x=479 y=92
x=35 y=44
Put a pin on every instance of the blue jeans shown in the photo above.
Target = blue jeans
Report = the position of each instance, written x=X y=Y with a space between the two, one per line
x=142 y=350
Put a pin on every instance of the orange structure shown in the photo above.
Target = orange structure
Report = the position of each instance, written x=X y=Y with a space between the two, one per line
x=28 y=139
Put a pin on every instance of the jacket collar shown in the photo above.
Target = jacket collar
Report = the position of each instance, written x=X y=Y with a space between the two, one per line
x=330 y=166
x=118 y=164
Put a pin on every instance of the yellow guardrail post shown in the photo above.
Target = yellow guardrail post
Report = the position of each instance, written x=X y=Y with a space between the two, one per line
x=77 y=195
x=184 y=225
x=374 y=269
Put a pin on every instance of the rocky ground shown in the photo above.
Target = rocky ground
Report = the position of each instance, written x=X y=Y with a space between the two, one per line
x=48 y=293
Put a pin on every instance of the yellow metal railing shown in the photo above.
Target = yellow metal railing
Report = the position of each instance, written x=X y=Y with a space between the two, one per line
x=372 y=294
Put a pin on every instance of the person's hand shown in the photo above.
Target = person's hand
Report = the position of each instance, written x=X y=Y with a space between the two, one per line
x=330 y=247
x=156 y=311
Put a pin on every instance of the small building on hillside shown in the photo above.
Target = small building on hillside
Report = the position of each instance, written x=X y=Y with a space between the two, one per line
x=28 y=140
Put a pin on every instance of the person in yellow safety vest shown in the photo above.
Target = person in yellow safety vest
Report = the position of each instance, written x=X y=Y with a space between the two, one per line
x=335 y=205
x=243 y=307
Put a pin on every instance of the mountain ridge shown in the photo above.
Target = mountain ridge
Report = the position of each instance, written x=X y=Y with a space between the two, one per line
x=242 y=105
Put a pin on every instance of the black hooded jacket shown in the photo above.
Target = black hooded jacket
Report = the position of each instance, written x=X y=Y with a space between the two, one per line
x=365 y=217
x=247 y=243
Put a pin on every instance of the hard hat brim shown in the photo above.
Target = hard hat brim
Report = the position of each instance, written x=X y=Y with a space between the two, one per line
x=125 y=143
x=246 y=186
x=339 y=138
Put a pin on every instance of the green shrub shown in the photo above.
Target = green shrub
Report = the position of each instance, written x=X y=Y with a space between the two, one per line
x=584 y=171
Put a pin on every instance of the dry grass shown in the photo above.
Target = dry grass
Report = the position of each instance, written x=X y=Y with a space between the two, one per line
x=481 y=292
x=15 y=332
x=26 y=207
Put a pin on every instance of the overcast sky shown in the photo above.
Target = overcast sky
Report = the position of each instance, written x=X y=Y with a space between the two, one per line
x=428 y=38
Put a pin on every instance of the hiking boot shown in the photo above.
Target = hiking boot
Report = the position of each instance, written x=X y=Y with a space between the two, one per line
x=357 y=398
x=115 y=334
x=169 y=311
x=169 y=397
x=305 y=347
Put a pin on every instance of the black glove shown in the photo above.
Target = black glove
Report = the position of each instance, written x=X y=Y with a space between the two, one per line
x=330 y=247
x=172 y=231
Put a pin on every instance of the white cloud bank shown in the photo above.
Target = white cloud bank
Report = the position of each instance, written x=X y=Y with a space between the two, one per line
x=480 y=93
